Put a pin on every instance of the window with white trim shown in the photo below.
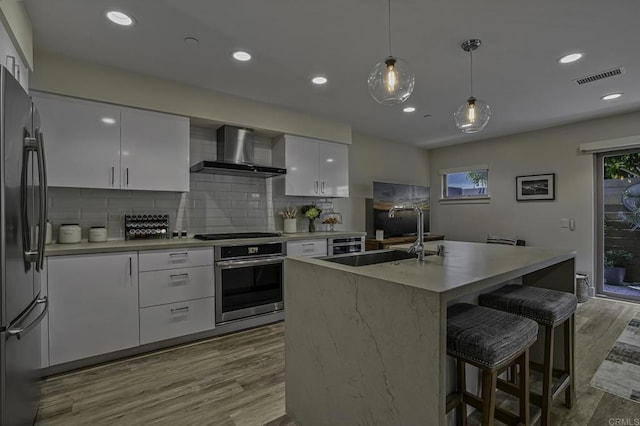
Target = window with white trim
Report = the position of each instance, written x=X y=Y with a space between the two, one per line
x=465 y=183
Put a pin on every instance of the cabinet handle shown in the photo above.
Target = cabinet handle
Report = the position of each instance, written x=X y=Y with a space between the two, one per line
x=183 y=254
x=322 y=187
x=127 y=176
x=315 y=188
x=130 y=267
x=177 y=310
x=179 y=276
x=113 y=175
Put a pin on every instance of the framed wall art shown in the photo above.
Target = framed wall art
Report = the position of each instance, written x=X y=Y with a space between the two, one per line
x=536 y=187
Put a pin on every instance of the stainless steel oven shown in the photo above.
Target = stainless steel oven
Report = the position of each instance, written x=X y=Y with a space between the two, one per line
x=248 y=280
x=344 y=245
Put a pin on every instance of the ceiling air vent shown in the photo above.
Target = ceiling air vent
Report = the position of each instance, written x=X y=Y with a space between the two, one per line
x=599 y=76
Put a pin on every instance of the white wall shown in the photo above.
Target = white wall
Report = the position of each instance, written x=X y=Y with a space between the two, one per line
x=72 y=77
x=538 y=222
x=11 y=52
x=16 y=21
x=372 y=159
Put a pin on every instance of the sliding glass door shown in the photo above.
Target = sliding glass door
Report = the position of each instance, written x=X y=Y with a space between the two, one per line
x=618 y=218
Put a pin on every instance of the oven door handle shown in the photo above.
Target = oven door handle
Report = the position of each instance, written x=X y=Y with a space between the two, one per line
x=228 y=264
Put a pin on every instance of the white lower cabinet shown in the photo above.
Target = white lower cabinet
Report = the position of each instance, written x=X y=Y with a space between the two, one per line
x=154 y=260
x=102 y=303
x=93 y=305
x=309 y=248
x=176 y=319
x=172 y=285
x=176 y=293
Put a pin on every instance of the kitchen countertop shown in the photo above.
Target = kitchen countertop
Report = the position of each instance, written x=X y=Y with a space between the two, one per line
x=464 y=264
x=135 y=245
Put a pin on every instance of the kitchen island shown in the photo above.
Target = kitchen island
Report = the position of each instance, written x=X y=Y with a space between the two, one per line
x=367 y=345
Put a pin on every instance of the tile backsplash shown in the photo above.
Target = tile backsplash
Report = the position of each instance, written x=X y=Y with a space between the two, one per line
x=215 y=203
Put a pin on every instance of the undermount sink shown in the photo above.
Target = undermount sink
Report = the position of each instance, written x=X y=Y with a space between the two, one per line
x=370 y=257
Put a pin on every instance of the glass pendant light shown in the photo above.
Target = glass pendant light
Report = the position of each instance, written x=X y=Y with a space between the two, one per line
x=391 y=82
x=474 y=114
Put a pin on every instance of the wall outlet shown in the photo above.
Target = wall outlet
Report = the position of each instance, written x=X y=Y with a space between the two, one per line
x=116 y=216
x=564 y=223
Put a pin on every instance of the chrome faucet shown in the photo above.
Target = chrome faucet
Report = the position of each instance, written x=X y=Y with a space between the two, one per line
x=418 y=246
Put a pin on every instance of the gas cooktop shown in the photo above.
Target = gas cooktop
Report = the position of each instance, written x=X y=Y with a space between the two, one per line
x=235 y=235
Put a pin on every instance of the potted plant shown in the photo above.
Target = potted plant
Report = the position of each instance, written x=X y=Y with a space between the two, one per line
x=615 y=261
x=311 y=212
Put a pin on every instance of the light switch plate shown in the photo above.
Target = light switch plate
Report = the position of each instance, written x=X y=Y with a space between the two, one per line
x=564 y=223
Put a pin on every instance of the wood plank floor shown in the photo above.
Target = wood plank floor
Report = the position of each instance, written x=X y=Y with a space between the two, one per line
x=239 y=380
x=236 y=379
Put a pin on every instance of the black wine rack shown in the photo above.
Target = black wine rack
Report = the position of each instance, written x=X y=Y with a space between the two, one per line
x=146 y=226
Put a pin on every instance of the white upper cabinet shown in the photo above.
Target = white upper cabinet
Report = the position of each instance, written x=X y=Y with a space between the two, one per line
x=95 y=145
x=314 y=167
x=82 y=142
x=155 y=151
x=334 y=169
x=301 y=162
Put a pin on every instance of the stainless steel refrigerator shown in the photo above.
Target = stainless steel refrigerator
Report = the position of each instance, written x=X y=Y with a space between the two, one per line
x=23 y=215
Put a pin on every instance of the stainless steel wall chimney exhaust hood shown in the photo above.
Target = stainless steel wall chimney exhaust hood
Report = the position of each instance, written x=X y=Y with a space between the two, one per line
x=235 y=156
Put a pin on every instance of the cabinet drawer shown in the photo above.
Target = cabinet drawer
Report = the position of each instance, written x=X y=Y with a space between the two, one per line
x=176 y=319
x=154 y=260
x=307 y=248
x=174 y=285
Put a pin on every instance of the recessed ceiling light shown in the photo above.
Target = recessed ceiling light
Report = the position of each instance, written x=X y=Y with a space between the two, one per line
x=571 y=57
x=241 y=56
x=108 y=120
x=329 y=160
x=319 y=80
x=611 y=96
x=119 y=18
x=192 y=41
x=409 y=109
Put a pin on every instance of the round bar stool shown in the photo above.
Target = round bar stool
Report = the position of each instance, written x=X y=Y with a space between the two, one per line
x=492 y=341
x=549 y=308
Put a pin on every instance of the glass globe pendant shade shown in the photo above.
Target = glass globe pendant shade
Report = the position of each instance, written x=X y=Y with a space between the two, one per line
x=472 y=116
x=390 y=82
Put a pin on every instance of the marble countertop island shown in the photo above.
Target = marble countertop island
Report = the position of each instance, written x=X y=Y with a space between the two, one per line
x=367 y=345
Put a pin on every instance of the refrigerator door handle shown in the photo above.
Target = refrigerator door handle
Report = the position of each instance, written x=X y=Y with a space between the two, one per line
x=20 y=330
x=36 y=146
x=30 y=145
x=42 y=177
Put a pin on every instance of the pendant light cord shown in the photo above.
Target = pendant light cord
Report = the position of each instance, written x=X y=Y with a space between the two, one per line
x=471 y=73
x=389 y=27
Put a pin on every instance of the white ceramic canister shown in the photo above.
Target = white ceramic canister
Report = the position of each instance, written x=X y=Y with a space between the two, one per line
x=69 y=233
x=97 y=234
x=290 y=226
